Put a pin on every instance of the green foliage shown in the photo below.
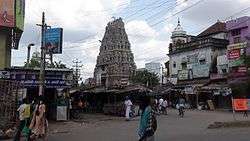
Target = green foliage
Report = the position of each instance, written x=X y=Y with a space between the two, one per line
x=59 y=65
x=146 y=78
x=247 y=61
x=34 y=63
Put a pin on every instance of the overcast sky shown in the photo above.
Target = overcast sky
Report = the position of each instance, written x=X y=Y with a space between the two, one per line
x=148 y=24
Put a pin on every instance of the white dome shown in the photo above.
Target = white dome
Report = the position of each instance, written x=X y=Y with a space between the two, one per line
x=178 y=31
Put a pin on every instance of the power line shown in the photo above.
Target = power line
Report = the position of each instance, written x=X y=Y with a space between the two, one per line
x=155 y=15
x=142 y=9
x=154 y=8
x=163 y=20
x=225 y=19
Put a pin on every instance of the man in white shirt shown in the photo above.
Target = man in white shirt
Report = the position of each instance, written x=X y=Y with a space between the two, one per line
x=128 y=105
x=164 y=106
x=22 y=117
x=160 y=105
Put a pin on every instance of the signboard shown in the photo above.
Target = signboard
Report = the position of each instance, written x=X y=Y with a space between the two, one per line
x=234 y=54
x=48 y=83
x=236 y=62
x=20 y=13
x=240 y=104
x=7 y=18
x=200 y=71
x=61 y=113
x=183 y=75
x=237 y=46
x=242 y=69
x=53 y=79
x=4 y=75
x=53 y=40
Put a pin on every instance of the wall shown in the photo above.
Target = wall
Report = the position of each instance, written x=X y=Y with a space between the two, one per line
x=178 y=58
x=222 y=63
x=242 y=23
x=237 y=51
x=220 y=36
x=5 y=52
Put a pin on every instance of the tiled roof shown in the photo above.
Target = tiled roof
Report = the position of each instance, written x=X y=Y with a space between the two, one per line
x=216 y=28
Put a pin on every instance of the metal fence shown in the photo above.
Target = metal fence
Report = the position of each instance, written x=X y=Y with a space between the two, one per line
x=9 y=91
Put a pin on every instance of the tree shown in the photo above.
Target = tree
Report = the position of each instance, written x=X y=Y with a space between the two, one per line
x=59 y=65
x=147 y=78
x=34 y=63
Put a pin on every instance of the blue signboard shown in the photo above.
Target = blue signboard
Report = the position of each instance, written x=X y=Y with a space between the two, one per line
x=53 y=40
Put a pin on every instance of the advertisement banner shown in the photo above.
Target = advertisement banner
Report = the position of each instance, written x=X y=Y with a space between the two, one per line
x=183 y=74
x=236 y=62
x=7 y=18
x=53 y=40
x=234 y=54
x=200 y=71
x=20 y=13
x=240 y=104
x=237 y=46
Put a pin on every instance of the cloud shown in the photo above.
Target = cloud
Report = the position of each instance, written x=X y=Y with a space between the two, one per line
x=140 y=32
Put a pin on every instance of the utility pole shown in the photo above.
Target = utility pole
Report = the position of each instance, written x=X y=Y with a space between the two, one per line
x=43 y=56
x=77 y=69
x=162 y=75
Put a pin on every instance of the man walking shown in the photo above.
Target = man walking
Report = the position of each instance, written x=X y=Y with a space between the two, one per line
x=128 y=105
x=24 y=115
x=164 y=106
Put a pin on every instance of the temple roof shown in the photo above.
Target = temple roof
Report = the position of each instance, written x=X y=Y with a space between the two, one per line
x=215 y=28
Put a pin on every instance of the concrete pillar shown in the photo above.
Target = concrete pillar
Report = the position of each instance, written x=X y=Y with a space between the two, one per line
x=5 y=51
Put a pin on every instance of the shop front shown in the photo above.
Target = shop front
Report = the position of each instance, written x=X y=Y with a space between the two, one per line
x=57 y=85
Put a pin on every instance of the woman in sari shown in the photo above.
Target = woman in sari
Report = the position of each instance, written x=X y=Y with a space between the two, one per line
x=148 y=123
x=39 y=124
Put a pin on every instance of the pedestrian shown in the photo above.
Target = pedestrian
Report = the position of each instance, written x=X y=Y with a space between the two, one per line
x=160 y=106
x=128 y=105
x=155 y=106
x=39 y=123
x=245 y=114
x=181 y=106
x=148 y=122
x=24 y=115
x=164 y=106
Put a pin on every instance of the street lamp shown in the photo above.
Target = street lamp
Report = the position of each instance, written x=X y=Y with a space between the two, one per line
x=28 y=54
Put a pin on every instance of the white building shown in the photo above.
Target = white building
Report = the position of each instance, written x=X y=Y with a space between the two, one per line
x=155 y=67
x=195 y=57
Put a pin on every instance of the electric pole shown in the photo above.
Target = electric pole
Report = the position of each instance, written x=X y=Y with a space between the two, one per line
x=162 y=75
x=43 y=56
x=77 y=67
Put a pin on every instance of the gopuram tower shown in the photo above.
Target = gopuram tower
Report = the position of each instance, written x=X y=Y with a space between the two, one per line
x=115 y=62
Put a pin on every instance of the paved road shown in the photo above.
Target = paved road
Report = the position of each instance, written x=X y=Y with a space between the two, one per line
x=193 y=127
